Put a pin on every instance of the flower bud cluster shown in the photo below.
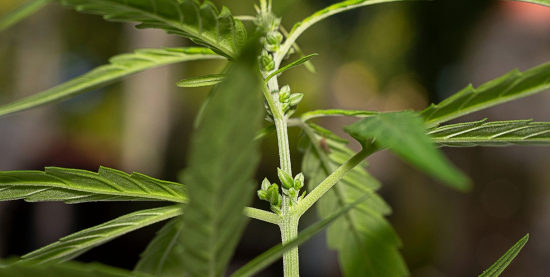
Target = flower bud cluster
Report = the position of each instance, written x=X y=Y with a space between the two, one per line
x=289 y=101
x=270 y=193
x=290 y=187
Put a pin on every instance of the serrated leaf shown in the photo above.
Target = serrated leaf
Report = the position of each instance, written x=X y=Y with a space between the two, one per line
x=404 y=134
x=78 y=186
x=222 y=162
x=203 y=81
x=26 y=9
x=540 y=2
x=497 y=133
x=511 y=86
x=77 y=243
x=500 y=265
x=69 y=269
x=291 y=65
x=366 y=243
x=164 y=253
x=276 y=252
x=120 y=66
x=202 y=23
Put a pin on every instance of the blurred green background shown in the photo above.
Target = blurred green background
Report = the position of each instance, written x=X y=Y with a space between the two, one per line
x=386 y=57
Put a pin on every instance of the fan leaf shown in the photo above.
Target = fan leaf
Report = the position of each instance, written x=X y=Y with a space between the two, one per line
x=503 y=262
x=511 y=86
x=202 y=23
x=14 y=269
x=77 y=243
x=78 y=186
x=222 y=162
x=164 y=254
x=404 y=134
x=498 y=133
x=366 y=243
x=120 y=66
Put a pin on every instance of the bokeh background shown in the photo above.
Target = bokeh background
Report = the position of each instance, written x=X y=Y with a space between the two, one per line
x=386 y=57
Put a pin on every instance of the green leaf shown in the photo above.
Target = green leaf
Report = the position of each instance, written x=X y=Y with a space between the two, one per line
x=500 y=265
x=366 y=243
x=69 y=269
x=335 y=112
x=75 y=244
x=403 y=133
x=222 y=163
x=511 y=86
x=299 y=28
x=498 y=133
x=540 y=2
x=267 y=258
x=120 y=66
x=291 y=65
x=22 y=12
x=203 y=81
x=78 y=186
x=164 y=254
x=202 y=23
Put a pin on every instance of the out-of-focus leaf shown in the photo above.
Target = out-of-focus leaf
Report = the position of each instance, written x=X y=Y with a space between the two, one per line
x=202 y=23
x=26 y=9
x=69 y=269
x=120 y=66
x=404 y=134
x=366 y=243
x=75 y=244
x=222 y=162
x=503 y=262
x=497 y=133
x=78 y=186
x=164 y=255
x=511 y=86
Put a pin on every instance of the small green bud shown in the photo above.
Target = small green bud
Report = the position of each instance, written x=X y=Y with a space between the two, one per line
x=262 y=194
x=265 y=184
x=284 y=94
x=295 y=99
x=266 y=62
x=274 y=38
x=273 y=196
x=299 y=181
x=286 y=180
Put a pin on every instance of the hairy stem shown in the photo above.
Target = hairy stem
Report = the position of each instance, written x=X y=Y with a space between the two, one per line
x=289 y=222
x=332 y=180
x=289 y=231
x=262 y=215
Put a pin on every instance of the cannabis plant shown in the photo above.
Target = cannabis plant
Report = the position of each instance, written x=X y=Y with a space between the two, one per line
x=209 y=209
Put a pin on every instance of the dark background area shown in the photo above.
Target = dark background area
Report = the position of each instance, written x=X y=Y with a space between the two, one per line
x=386 y=57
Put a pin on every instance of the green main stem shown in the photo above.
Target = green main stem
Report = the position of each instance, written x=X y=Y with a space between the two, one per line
x=289 y=220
